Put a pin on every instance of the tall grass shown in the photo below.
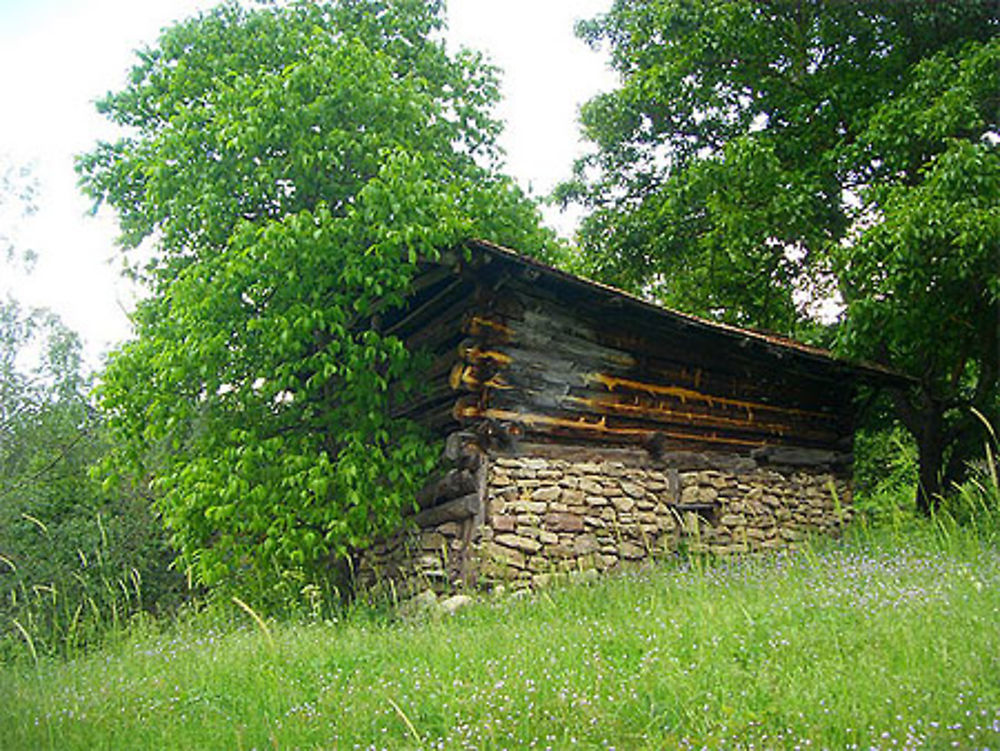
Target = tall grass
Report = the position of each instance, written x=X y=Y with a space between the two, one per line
x=883 y=641
x=80 y=604
x=975 y=503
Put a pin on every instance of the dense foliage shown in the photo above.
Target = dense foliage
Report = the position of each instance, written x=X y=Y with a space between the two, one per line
x=74 y=559
x=290 y=166
x=762 y=159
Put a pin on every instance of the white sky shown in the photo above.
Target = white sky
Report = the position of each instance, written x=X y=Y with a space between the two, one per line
x=58 y=56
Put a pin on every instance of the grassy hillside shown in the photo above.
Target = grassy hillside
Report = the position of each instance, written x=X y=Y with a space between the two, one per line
x=868 y=644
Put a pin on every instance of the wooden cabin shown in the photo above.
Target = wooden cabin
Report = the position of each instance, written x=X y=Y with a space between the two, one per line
x=586 y=428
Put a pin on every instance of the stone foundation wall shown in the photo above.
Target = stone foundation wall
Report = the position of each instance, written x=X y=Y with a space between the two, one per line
x=413 y=560
x=544 y=517
x=550 y=516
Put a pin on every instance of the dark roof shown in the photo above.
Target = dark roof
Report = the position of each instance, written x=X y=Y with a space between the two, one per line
x=775 y=344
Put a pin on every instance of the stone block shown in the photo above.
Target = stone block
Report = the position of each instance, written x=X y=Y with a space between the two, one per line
x=633 y=489
x=531 y=532
x=519 y=543
x=623 y=503
x=539 y=563
x=504 y=523
x=505 y=555
x=560 y=550
x=455 y=603
x=584 y=575
x=529 y=507
x=564 y=522
x=691 y=494
x=612 y=469
x=585 y=545
x=631 y=550
x=707 y=494
x=546 y=493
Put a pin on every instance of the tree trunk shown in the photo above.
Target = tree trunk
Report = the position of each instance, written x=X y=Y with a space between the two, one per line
x=925 y=422
x=930 y=446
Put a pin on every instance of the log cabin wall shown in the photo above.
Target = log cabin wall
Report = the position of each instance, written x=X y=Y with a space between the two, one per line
x=552 y=363
x=589 y=430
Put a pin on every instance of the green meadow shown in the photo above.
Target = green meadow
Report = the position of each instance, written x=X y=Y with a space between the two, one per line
x=889 y=639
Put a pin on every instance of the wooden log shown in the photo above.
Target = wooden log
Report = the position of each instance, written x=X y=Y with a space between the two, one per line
x=456 y=509
x=441 y=421
x=464 y=449
x=447 y=324
x=576 y=366
x=801 y=457
x=545 y=389
x=671 y=341
x=784 y=428
x=572 y=426
x=548 y=374
x=673 y=460
x=419 y=410
x=633 y=320
x=429 y=309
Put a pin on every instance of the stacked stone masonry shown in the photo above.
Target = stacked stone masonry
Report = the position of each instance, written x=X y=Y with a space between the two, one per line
x=547 y=517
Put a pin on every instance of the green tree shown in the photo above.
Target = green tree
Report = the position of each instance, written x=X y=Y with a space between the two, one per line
x=291 y=166
x=75 y=559
x=760 y=157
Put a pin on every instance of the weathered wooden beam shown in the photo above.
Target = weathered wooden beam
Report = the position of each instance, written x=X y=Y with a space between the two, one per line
x=419 y=409
x=557 y=425
x=428 y=309
x=446 y=324
x=801 y=457
x=695 y=350
x=453 y=483
x=674 y=461
x=456 y=509
x=634 y=319
x=564 y=357
x=669 y=413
